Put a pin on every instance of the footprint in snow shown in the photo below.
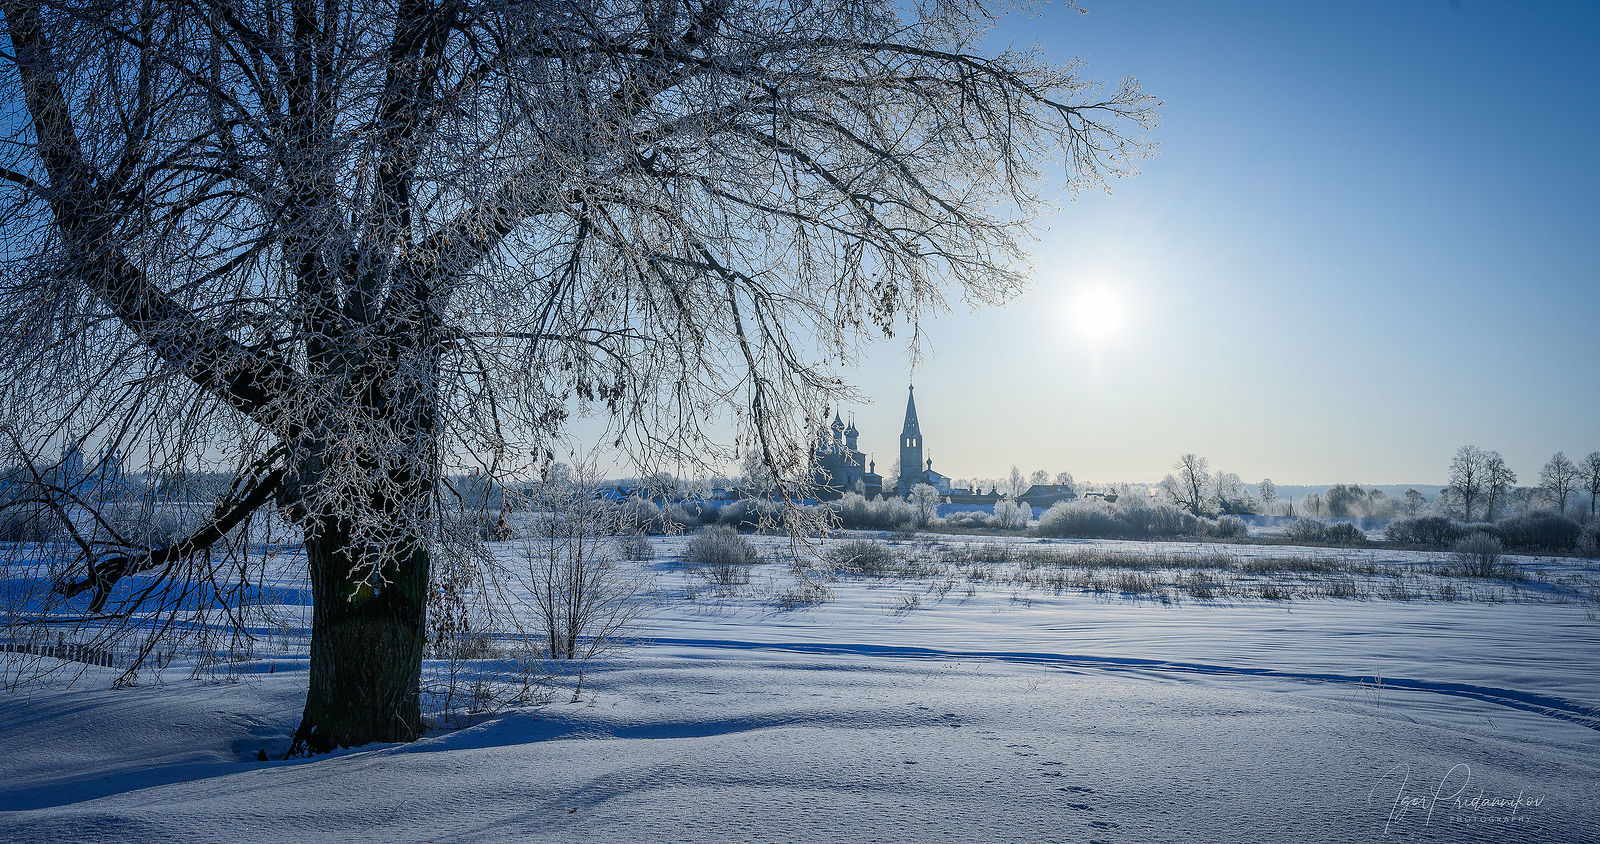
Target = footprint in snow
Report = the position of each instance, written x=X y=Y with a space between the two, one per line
x=1105 y=825
x=1080 y=807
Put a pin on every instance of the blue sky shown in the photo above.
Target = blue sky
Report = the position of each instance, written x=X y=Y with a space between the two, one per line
x=1369 y=237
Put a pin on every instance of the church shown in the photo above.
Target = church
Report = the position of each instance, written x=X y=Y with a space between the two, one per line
x=914 y=468
x=841 y=467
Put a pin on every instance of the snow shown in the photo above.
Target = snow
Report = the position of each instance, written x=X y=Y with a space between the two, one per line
x=1007 y=714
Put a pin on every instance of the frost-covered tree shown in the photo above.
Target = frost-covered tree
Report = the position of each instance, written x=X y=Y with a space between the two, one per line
x=1591 y=479
x=1415 y=502
x=1065 y=479
x=1268 y=491
x=1559 y=479
x=1016 y=483
x=1231 y=495
x=1039 y=477
x=350 y=247
x=1345 y=500
x=925 y=498
x=580 y=595
x=1191 y=487
x=1468 y=475
x=1011 y=515
x=1498 y=481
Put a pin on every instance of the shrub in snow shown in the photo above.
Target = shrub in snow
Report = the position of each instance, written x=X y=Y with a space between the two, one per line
x=649 y=517
x=726 y=574
x=724 y=556
x=896 y=513
x=971 y=519
x=1306 y=530
x=924 y=500
x=862 y=556
x=580 y=596
x=1158 y=519
x=751 y=514
x=145 y=525
x=675 y=518
x=721 y=545
x=1080 y=519
x=637 y=548
x=1541 y=531
x=1135 y=520
x=1479 y=556
x=801 y=595
x=1231 y=527
x=1344 y=533
x=1589 y=539
x=852 y=510
x=855 y=511
x=641 y=513
x=696 y=512
x=1424 y=530
x=1010 y=515
x=29 y=523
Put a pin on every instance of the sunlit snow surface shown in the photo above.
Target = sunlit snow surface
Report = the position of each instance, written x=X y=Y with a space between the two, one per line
x=1007 y=714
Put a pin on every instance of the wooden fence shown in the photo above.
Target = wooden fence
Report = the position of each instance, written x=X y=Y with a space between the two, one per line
x=69 y=651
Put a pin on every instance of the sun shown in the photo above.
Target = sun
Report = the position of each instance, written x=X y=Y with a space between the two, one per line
x=1097 y=314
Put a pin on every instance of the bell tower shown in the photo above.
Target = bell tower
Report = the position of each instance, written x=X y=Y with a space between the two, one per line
x=910 y=446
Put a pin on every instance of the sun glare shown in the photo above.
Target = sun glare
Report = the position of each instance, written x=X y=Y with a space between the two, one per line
x=1097 y=314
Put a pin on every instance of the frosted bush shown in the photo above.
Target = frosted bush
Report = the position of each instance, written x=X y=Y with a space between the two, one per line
x=1135 y=520
x=971 y=519
x=1541 y=531
x=640 y=512
x=721 y=545
x=676 y=519
x=146 y=525
x=23 y=523
x=751 y=514
x=637 y=548
x=1231 y=527
x=862 y=556
x=1010 y=515
x=1425 y=530
x=1589 y=540
x=1479 y=555
x=855 y=512
x=1306 y=530
x=1143 y=519
x=1080 y=519
x=723 y=555
x=1344 y=533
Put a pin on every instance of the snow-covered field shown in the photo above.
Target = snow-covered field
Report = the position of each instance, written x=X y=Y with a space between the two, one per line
x=964 y=705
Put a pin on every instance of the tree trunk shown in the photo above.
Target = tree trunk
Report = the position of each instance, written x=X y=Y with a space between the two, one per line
x=367 y=640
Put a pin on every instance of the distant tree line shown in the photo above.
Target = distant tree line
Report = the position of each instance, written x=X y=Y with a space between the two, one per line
x=1482 y=487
